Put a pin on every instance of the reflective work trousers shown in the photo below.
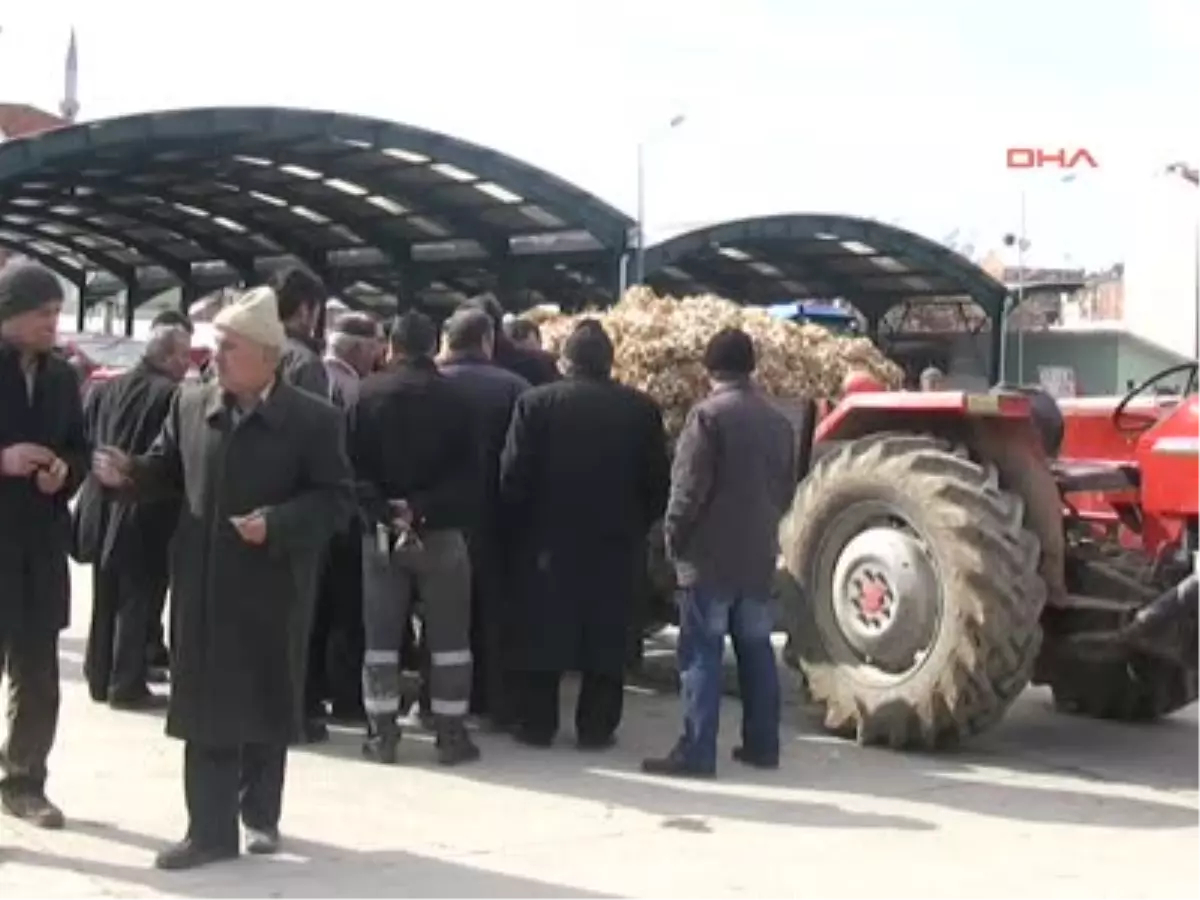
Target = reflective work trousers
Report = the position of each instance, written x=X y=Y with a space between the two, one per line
x=440 y=573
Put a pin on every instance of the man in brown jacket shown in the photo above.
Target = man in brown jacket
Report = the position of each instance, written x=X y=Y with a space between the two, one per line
x=732 y=481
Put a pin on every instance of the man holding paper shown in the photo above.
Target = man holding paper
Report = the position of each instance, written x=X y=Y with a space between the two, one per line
x=264 y=480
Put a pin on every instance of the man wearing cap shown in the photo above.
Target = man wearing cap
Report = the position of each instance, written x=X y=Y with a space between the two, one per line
x=43 y=458
x=492 y=391
x=264 y=481
x=583 y=477
x=733 y=478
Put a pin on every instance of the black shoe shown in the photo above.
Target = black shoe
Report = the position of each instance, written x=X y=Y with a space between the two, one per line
x=315 y=731
x=158 y=675
x=262 y=841
x=596 y=744
x=32 y=807
x=189 y=855
x=531 y=738
x=454 y=744
x=347 y=714
x=147 y=702
x=673 y=765
x=382 y=741
x=754 y=760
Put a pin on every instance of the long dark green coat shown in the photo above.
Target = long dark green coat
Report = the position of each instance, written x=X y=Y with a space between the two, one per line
x=232 y=603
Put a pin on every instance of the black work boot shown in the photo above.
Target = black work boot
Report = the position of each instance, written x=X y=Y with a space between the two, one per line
x=382 y=740
x=454 y=744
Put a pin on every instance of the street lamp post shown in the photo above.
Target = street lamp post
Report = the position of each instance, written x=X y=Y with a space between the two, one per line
x=639 y=271
x=1192 y=177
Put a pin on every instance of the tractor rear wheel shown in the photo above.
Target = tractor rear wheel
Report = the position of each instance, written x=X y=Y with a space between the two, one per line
x=917 y=618
x=1140 y=690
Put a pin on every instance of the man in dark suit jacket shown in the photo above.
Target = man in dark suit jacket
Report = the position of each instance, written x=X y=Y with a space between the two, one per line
x=43 y=458
x=127 y=542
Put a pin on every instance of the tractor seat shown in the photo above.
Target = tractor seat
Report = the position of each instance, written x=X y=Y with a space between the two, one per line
x=1099 y=477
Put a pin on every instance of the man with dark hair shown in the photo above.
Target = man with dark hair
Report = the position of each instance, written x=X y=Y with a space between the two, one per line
x=172 y=318
x=583 y=477
x=492 y=392
x=733 y=479
x=524 y=333
x=535 y=365
x=43 y=458
x=413 y=444
x=301 y=296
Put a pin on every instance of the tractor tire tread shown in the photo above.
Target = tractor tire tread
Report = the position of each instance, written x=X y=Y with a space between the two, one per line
x=991 y=633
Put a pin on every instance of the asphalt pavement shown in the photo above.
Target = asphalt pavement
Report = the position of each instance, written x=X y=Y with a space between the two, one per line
x=1045 y=805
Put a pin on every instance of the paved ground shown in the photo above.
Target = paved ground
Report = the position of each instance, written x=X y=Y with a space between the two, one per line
x=1045 y=806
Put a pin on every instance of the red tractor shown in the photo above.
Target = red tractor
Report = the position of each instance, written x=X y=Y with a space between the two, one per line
x=945 y=550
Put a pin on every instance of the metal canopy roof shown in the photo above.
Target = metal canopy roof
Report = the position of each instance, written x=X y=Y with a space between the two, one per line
x=778 y=259
x=162 y=196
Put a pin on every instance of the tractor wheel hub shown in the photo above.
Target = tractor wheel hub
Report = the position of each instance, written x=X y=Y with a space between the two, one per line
x=886 y=597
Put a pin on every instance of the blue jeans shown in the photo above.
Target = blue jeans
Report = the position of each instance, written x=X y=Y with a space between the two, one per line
x=705 y=618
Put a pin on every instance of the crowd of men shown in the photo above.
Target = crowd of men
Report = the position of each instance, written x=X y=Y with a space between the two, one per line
x=303 y=501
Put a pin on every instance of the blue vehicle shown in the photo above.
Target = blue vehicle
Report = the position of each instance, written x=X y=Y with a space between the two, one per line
x=826 y=315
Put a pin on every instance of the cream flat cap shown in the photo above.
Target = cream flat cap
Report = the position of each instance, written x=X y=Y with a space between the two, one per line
x=254 y=316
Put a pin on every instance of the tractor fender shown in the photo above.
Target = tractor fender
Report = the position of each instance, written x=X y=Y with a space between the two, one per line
x=1016 y=449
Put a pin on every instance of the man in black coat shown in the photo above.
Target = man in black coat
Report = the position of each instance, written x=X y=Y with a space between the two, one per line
x=264 y=480
x=43 y=458
x=535 y=365
x=126 y=543
x=492 y=391
x=301 y=295
x=583 y=476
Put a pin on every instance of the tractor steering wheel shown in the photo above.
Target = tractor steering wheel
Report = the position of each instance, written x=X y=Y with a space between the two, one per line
x=1141 y=425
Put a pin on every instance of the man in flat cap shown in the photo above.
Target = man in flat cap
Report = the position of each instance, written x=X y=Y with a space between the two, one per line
x=43 y=458
x=264 y=481
x=583 y=477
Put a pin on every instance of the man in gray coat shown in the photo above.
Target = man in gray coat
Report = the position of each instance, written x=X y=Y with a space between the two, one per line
x=264 y=480
x=732 y=481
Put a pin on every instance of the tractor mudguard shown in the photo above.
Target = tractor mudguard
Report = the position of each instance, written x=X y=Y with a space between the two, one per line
x=1015 y=450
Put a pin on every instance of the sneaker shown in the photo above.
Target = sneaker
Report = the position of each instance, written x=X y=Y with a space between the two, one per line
x=189 y=855
x=262 y=841
x=33 y=808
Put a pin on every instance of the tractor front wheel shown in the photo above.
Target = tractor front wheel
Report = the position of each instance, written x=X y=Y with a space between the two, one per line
x=916 y=622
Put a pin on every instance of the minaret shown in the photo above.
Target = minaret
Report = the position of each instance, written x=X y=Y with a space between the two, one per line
x=69 y=108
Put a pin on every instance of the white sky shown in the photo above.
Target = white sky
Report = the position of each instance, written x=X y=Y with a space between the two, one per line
x=900 y=111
